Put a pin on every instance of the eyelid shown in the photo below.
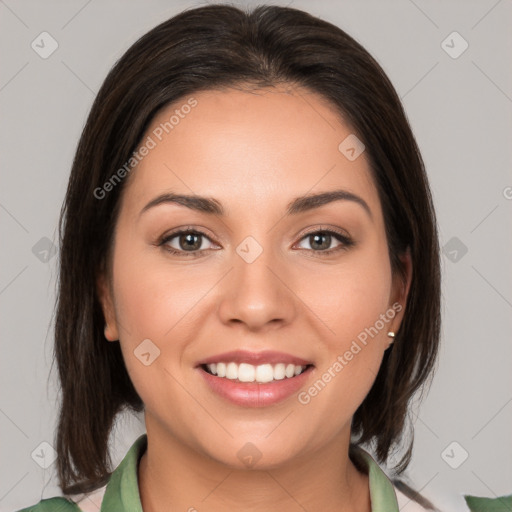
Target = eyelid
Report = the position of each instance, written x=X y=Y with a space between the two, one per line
x=324 y=228
x=343 y=237
x=169 y=235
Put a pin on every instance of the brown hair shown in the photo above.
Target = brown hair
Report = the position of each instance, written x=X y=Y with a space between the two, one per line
x=221 y=46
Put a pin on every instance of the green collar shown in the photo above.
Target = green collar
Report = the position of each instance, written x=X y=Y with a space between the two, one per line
x=122 y=492
x=382 y=492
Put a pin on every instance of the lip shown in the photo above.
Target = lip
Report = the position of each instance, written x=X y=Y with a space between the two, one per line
x=254 y=394
x=255 y=358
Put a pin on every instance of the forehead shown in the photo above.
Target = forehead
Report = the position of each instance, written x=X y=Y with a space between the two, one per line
x=254 y=146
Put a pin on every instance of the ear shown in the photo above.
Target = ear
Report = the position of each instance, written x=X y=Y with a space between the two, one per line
x=106 y=298
x=400 y=292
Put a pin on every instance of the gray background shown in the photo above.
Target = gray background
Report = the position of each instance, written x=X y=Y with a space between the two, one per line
x=460 y=112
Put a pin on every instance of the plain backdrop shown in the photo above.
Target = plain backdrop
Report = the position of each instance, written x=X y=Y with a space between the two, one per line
x=459 y=103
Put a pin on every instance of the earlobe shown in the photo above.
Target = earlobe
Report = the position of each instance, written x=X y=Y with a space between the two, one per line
x=107 y=305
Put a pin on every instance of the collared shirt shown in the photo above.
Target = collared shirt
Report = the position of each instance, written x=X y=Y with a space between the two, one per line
x=121 y=493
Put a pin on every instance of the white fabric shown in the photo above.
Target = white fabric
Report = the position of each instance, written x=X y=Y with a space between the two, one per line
x=405 y=504
x=91 y=502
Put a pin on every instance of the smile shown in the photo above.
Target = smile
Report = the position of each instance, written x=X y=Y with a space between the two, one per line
x=252 y=379
x=262 y=373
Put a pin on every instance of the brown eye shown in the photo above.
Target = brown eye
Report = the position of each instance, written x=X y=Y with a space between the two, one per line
x=322 y=241
x=186 y=243
x=190 y=241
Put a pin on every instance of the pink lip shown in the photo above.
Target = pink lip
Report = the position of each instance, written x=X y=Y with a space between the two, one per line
x=253 y=394
x=255 y=358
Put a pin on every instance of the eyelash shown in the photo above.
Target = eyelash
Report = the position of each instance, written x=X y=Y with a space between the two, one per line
x=346 y=242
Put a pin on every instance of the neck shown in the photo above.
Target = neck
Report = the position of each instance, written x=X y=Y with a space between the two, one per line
x=173 y=476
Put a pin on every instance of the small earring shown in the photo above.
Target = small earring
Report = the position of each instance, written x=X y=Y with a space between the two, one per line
x=391 y=334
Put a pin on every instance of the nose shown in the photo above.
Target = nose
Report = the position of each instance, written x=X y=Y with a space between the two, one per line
x=258 y=294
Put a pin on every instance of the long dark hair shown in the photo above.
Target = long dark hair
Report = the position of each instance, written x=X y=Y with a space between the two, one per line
x=214 y=47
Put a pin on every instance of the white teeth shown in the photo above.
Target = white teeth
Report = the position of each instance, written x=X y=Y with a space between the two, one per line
x=249 y=373
x=221 y=369
x=279 y=371
x=264 y=373
x=246 y=373
x=232 y=371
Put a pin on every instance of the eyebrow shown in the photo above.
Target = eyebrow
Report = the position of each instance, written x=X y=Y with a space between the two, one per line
x=298 y=205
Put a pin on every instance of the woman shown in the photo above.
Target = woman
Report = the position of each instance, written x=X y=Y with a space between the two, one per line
x=249 y=255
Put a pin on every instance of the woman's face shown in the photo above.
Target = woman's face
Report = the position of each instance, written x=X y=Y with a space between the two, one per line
x=266 y=285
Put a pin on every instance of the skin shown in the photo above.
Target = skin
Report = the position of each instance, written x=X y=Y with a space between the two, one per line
x=253 y=151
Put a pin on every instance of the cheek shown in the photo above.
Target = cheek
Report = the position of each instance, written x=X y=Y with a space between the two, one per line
x=154 y=303
x=350 y=297
x=162 y=302
x=153 y=300
x=351 y=301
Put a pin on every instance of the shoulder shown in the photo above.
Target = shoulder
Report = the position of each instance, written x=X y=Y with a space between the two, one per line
x=407 y=496
x=57 y=504
x=119 y=486
x=412 y=505
x=387 y=494
x=90 y=502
